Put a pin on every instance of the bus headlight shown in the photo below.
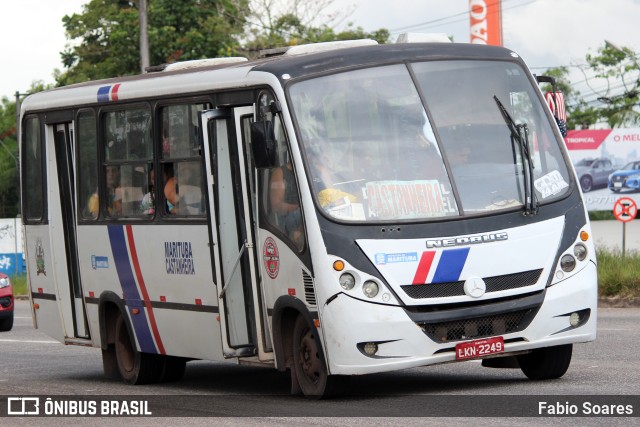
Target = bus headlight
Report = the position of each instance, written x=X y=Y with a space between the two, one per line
x=567 y=263
x=347 y=281
x=370 y=288
x=4 y=282
x=580 y=251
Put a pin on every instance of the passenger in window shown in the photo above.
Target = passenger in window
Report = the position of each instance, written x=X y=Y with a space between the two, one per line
x=323 y=178
x=283 y=195
x=170 y=191
x=93 y=206
x=114 y=191
x=422 y=161
x=148 y=206
x=189 y=188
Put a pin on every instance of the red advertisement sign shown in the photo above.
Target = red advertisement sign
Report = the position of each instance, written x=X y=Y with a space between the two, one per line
x=607 y=164
x=486 y=22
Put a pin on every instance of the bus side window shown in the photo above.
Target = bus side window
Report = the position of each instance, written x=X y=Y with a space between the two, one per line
x=281 y=199
x=128 y=160
x=182 y=189
x=87 y=165
x=34 y=182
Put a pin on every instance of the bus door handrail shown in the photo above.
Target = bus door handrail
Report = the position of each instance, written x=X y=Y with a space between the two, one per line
x=245 y=245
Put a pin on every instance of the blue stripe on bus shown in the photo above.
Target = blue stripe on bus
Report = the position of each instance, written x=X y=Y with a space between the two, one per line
x=450 y=265
x=128 y=284
x=103 y=93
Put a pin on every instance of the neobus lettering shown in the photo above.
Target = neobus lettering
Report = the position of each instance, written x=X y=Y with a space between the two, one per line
x=467 y=240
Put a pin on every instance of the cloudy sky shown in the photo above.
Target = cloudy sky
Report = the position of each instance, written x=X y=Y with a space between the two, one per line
x=546 y=33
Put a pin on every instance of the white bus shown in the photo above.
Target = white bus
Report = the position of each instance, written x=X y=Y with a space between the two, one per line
x=340 y=209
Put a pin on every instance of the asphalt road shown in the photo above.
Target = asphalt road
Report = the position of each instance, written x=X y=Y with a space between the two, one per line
x=33 y=364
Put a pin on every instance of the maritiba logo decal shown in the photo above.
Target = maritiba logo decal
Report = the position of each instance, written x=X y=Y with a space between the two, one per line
x=271 y=258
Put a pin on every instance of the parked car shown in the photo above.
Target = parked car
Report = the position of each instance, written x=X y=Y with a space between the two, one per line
x=6 y=303
x=593 y=173
x=627 y=178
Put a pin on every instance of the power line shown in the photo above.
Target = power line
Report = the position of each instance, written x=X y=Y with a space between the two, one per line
x=439 y=21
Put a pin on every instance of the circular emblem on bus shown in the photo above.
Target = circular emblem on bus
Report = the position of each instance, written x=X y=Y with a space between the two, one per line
x=474 y=287
x=271 y=258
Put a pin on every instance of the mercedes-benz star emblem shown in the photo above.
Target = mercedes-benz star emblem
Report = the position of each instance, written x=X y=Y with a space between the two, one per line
x=474 y=287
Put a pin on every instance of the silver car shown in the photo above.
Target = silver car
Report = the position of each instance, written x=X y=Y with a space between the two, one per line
x=593 y=173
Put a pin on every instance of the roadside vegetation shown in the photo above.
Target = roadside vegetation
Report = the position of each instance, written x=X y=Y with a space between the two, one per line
x=618 y=276
x=19 y=284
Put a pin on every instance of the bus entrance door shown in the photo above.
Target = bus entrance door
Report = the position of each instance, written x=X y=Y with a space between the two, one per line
x=232 y=210
x=64 y=239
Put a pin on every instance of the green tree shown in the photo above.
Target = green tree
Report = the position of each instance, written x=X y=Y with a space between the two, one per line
x=580 y=115
x=618 y=66
x=105 y=36
x=9 y=157
x=617 y=70
x=277 y=23
x=9 y=181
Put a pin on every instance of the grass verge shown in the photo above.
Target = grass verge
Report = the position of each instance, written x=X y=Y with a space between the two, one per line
x=19 y=283
x=618 y=276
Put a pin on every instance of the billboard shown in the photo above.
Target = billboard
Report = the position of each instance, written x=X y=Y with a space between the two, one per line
x=486 y=22
x=607 y=162
x=11 y=247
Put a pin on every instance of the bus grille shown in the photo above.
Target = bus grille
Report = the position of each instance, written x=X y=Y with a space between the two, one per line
x=309 y=291
x=455 y=289
x=479 y=327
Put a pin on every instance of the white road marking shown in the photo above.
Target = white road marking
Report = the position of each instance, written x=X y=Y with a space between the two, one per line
x=30 y=341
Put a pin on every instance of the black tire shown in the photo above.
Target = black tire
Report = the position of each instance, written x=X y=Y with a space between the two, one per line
x=546 y=363
x=172 y=368
x=586 y=183
x=310 y=368
x=110 y=363
x=134 y=367
x=7 y=323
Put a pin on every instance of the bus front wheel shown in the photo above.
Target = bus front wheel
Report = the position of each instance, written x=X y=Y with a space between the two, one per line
x=546 y=363
x=310 y=369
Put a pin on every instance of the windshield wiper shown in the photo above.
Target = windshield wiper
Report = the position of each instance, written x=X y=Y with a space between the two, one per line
x=520 y=135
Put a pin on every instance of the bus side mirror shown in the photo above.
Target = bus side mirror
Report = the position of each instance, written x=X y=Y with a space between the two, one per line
x=263 y=144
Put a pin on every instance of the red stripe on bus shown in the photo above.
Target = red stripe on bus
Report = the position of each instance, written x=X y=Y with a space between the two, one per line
x=143 y=289
x=114 y=92
x=423 y=268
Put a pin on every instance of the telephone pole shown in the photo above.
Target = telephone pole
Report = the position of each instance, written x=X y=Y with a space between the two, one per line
x=144 y=39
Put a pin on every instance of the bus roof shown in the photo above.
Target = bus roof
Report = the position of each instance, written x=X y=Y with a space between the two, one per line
x=237 y=74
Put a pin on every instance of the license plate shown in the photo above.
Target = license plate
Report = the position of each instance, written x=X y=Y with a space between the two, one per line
x=617 y=184
x=479 y=348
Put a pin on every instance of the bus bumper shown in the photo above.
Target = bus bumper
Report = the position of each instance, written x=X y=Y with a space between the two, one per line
x=348 y=324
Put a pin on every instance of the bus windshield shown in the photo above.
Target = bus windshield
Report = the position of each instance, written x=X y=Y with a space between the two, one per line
x=383 y=146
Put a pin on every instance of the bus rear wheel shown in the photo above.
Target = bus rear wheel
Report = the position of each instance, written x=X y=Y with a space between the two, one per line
x=134 y=367
x=546 y=363
x=309 y=365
